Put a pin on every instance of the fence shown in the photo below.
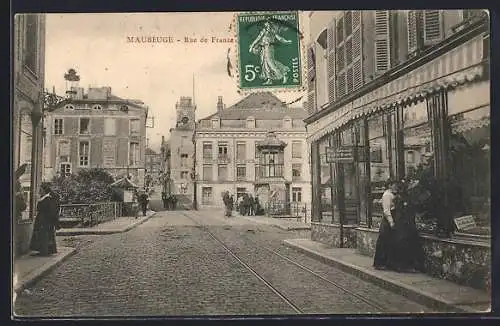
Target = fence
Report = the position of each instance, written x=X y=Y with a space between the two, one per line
x=90 y=214
x=295 y=209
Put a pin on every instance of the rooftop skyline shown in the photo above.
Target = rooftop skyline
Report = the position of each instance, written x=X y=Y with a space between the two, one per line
x=98 y=47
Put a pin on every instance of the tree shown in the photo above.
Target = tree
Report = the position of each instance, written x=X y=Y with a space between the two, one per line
x=85 y=187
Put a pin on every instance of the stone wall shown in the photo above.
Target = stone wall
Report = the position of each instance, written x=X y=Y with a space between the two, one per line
x=461 y=261
x=329 y=234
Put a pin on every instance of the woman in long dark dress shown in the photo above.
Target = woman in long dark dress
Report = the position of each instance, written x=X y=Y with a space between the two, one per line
x=410 y=251
x=46 y=223
x=386 y=253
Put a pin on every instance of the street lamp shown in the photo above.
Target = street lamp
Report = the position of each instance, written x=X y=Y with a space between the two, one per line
x=194 y=178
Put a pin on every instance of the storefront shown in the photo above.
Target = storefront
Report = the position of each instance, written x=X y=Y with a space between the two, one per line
x=426 y=120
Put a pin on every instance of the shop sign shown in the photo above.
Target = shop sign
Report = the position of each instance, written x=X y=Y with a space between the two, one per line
x=464 y=223
x=344 y=154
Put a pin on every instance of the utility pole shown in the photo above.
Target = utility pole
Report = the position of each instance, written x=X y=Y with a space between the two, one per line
x=193 y=173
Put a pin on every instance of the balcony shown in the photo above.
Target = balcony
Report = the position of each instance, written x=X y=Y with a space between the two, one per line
x=270 y=172
x=223 y=159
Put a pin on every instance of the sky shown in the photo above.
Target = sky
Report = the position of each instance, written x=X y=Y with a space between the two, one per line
x=156 y=73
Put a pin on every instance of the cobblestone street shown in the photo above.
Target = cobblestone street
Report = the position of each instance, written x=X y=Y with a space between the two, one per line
x=171 y=265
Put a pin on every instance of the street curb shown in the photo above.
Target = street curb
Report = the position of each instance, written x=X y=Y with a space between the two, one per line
x=405 y=290
x=36 y=275
x=104 y=232
x=277 y=225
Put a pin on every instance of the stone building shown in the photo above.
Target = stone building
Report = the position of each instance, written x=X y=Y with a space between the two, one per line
x=97 y=130
x=421 y=107
x=182 y=149
x=153 y=165
x=257 y=145
x=27 y=129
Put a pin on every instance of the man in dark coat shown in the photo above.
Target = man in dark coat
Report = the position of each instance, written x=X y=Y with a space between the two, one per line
x=46 y=223
x=164 y=199
x=143 y=202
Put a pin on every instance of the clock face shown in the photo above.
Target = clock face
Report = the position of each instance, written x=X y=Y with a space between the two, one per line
x=185 y=120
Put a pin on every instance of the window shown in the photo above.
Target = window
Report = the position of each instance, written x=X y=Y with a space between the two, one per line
x=184 y=160
x=296 y=171
x=250 y=123
x=340 y=30
x=63 y=151
x=135 y=127
x=256 y=151
x=296 y=195
x=65 y=169
x=272 y=164
x=207 y=151
x=58 y=126
x=241 y=149
x=184 y=175
x=134 y=153
x=207 y=173
x=215 y=124
x=97 y=107
x=31 y=47
x=109 y=127
x=223 y=152
x=241 y=172
x=296 y=149
x=207 y=196
x=84 y=126
x=84 y=153
x=222 y=172
x=108 y=153
x=69 y=107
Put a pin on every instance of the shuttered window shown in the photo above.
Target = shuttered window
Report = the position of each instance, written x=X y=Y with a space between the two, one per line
x=412 y=25
x=108 y=153
x=311 y=72
x=340 y=58
x=356 y=44
x=340 y=31
x=357 y=74
x=349 y=80
x=341 y=85
x=356 y=18
x=331 y=61
x=348 y=52
x=382 y=41
x=433 y=31
x=348 y=23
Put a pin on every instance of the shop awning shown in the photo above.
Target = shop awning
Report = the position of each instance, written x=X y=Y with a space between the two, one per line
x=382 y=98
x=124 y=183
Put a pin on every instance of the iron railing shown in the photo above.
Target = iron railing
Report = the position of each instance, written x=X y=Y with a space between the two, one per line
x=86 y=215
x=287 y=209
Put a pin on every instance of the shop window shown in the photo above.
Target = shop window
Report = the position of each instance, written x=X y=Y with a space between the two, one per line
x=327 y=178
x=469 y=192
x=379 y=164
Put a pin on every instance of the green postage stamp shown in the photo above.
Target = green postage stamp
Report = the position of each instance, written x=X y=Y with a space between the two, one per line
x=269 y=50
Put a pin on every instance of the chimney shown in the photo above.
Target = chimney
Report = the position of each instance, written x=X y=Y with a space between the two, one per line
x=220 y=104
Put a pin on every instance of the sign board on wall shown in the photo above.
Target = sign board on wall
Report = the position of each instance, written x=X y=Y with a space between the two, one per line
x=464 y=223
x=128 y=196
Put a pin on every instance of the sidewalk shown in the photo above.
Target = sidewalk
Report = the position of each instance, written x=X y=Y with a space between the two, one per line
x=119 y=225
x=29 y=269
x=288 y=224
x=436 y=293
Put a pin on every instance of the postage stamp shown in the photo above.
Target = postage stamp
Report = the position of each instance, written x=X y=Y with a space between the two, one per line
x=269 y=50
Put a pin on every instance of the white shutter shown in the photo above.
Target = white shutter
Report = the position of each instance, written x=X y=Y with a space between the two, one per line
x=356 y=19
x=382 y=41
x=109 y=152
x=412 y=25
x=331 y=61
x=311 y=80
x=110 y=127
x=433 y=29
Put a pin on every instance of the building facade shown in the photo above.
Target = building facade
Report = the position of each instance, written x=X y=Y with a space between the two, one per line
x=153 y=165
x=97 y=130
x=27 y=116
x=258 y=146
x=424 y=116
x=181 y=159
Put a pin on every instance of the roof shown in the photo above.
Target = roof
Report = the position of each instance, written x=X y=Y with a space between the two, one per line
x=124 y=183
x=261 y=106
x=271 y=141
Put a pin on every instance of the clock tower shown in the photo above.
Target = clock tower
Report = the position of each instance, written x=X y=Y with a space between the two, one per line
x=185 y=110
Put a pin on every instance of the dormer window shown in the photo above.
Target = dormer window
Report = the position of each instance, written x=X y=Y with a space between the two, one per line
x=69 y=107
x=287 y=123
x=124 y=108
x=250 y=122
x=97 y=107
x=215 y=123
